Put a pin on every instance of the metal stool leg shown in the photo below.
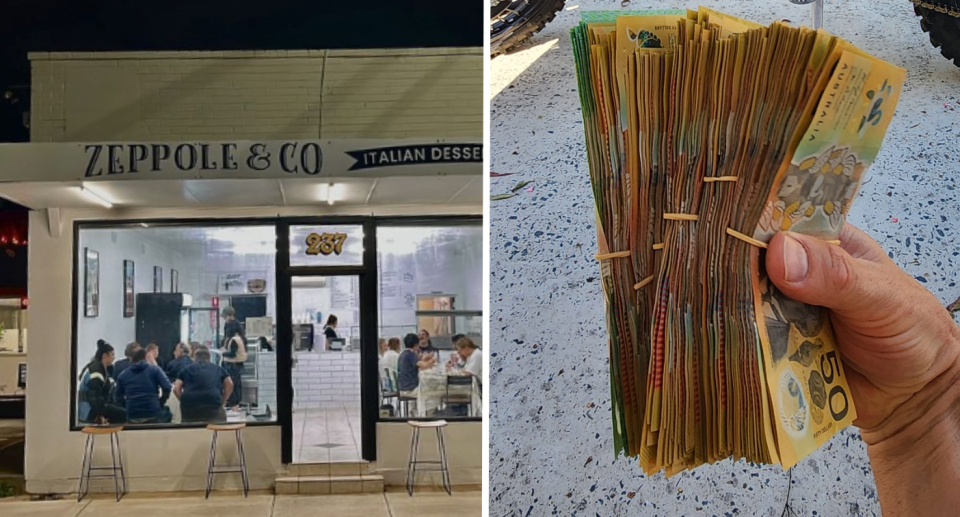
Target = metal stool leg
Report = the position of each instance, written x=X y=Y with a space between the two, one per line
x=243 y=464
x=123 y=474
x=85 y=468
x=445 y=471
x=412 y=464
x=211 y=463
x=113 y=459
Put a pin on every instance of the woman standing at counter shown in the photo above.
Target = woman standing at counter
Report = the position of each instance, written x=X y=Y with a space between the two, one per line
x=234 y=354
x=330 y=332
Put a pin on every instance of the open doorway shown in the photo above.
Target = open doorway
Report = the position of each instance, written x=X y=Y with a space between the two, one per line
x=326 y=369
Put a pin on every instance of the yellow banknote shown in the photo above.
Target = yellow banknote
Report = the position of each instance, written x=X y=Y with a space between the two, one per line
x=810 y=398
x=728 y=24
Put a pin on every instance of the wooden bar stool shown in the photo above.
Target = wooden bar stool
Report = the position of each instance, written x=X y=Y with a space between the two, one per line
x=116 y=469
x=412 y=468
x=213 y=468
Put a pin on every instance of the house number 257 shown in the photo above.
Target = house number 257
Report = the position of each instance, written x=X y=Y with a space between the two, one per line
x=325 y=243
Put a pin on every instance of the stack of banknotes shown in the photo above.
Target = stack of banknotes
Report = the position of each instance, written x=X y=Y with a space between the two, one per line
x=706 y=135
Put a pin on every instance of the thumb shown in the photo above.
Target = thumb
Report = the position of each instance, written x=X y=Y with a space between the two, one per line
x=812 y=271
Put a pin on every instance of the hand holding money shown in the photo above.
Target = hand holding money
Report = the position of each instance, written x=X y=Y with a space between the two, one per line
x=901 y=352
x=707 y=135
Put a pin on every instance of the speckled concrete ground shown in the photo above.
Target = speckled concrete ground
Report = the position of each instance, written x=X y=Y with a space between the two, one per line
x=551 y=446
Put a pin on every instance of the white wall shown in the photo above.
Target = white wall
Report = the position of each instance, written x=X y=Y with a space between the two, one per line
x=464 y=448
x=377 y=93
x=444 y=266
x=115 y=246
x=173 y=459
x=326 y=380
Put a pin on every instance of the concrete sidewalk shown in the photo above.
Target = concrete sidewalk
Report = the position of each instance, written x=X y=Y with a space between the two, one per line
x=391 y=504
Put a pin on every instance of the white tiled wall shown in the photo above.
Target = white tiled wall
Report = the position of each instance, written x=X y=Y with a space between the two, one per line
x=170 y=96
x=267 y=380
x=326 y=380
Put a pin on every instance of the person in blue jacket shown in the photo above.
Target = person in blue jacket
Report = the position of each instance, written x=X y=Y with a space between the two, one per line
x=203 y=389
x=181 y=360
x=144 y=388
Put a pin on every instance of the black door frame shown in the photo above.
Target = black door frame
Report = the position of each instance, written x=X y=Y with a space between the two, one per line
x=367 y=273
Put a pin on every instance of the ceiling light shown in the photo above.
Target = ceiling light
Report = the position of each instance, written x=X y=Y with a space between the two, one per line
x=94 y=197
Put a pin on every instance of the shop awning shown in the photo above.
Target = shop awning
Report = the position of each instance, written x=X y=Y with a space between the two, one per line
x=242 y=173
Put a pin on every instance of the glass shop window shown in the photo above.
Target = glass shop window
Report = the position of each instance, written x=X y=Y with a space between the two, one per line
x=431 y=300
x=175 y=325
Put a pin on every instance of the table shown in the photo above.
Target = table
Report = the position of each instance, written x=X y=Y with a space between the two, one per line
x=433 y=387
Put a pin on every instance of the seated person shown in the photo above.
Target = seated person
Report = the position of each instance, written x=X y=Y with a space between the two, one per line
x=203 y=389
x=472 y=357
x=388 y=361
x=426 y=346
x=181 y=359
x=153 y=355
x=123 y=364
x=409 y=365
x=455 y=360
x=139 y=385
x=94 y=400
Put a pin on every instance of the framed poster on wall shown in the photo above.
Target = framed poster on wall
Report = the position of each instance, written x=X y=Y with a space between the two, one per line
x=174 y=281
x=91 y=283
x=157 y=279
x=129 y=296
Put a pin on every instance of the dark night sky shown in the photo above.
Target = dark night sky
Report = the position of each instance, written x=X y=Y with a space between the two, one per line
x=85 y=25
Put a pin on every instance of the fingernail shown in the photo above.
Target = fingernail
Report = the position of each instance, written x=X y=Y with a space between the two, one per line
x=794 y=259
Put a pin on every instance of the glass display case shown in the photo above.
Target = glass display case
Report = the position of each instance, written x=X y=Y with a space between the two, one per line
x=201 y=325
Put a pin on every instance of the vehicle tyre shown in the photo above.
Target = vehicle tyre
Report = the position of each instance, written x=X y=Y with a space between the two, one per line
x=512 y=22
x=944 y=31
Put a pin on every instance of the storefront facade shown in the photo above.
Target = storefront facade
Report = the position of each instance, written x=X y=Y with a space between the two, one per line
x=171 y=189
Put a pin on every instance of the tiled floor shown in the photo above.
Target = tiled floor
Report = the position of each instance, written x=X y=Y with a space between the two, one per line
x=426 y=504
x=326 y=435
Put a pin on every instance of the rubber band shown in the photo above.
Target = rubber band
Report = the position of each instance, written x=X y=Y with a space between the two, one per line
x=658 y=246
x=749 y=240
x=711 y=179
x=680 y=217
x=616 y=254
x=640 y=284
x=760 y=244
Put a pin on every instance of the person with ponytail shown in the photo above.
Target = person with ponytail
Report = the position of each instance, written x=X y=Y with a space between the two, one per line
x=96 y=385
x=234 y=350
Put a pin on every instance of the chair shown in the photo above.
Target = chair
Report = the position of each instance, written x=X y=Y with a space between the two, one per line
x=213 y=468
x=388 y=388
x=459 y=396
x=412 y=464
x=403 y=401
x=116 y=469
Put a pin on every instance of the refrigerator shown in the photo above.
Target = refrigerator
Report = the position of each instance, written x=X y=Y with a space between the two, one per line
x=162 y=318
